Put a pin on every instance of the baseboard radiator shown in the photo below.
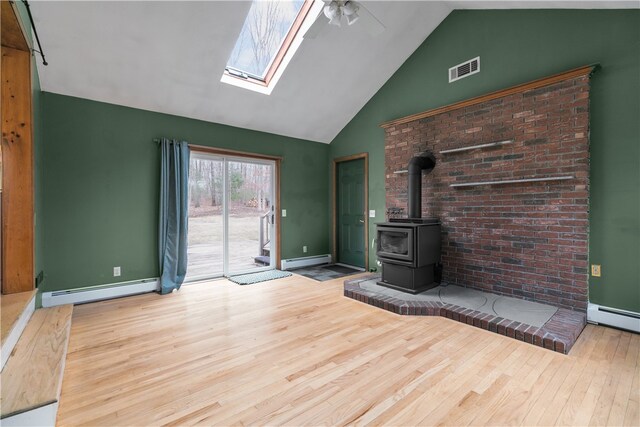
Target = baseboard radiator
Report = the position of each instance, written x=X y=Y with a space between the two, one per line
x=288 y=264
x=98 y=293
x=622 y=319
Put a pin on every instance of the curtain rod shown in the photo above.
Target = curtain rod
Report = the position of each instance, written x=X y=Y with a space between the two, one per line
x=35 y=32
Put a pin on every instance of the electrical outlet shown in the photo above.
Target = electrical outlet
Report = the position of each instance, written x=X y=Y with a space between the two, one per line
x=284 y=213
x=596 y=270
x=116 y=271
x=304 y=249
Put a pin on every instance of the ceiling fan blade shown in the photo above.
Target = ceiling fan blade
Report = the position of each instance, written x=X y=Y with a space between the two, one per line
x=318 y=26
x=372 y=25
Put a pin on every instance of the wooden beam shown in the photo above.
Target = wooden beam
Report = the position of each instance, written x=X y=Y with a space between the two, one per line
x=17 y=172
x=14 y=35
x=545 y=81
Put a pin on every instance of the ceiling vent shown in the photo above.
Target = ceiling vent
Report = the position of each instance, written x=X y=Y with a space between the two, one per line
x=465 y=69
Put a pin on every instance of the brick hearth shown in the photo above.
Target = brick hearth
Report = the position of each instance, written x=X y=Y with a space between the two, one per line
x=558 y=334
x=527 y=240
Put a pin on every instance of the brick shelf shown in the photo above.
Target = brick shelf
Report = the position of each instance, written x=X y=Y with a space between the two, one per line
x=558 y=334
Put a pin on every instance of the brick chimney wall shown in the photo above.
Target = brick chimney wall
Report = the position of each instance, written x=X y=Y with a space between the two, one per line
x=528 y=240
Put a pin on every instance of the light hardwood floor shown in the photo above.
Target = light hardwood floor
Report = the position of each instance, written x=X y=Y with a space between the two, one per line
x=33 y=374
x=296 y=352
x=11 y=308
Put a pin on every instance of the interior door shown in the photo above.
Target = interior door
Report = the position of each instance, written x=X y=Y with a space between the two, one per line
x=350 y=213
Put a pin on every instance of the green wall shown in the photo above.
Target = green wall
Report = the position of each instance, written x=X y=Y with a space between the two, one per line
x=517 y=46
x=101 y=185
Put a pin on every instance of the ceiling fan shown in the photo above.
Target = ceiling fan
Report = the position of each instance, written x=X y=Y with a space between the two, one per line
x=337 y=12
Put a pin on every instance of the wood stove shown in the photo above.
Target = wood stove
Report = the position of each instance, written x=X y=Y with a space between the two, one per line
x=409 y=248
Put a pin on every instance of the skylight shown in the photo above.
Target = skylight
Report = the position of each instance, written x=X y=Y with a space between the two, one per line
x=266 y=35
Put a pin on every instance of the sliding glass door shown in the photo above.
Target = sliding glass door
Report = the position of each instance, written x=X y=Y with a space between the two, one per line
x=205 y=241
x=231 y=216
x=250 y=215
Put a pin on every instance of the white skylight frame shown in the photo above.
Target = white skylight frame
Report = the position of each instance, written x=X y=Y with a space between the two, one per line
x=266 y=87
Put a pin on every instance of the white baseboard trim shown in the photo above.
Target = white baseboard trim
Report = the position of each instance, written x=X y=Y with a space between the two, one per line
x=101 y=292
x=16 y=331
x=40 y=417
x=288 y=264
x=622 y=319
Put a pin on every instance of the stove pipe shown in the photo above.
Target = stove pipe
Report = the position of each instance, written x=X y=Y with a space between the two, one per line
x=424 y=162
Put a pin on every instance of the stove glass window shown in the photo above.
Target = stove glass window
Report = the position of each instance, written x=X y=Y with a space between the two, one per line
x=394 y=242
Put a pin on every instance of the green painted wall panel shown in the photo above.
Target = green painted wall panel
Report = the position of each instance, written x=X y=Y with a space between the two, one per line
x=101 y=177
x=517 y=46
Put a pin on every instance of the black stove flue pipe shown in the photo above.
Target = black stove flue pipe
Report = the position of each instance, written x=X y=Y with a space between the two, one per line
x=422 y=163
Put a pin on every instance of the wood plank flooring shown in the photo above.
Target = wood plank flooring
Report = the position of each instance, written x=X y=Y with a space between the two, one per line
x=11 y=307
x=33 y=374
x=296 y=352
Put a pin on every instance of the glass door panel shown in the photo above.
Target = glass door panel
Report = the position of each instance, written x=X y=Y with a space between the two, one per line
x=250 y=194
x=205 y=244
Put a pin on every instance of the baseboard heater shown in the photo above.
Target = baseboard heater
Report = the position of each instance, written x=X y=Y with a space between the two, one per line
x=100 y=292
x=622 y=319
x=288 y=264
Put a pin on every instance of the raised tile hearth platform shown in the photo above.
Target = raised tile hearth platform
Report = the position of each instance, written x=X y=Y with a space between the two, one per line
x=543 y=325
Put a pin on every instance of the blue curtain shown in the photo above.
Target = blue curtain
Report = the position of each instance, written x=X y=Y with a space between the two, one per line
x=174 y=186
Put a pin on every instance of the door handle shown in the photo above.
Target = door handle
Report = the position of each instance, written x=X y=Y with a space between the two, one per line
x=362 y=221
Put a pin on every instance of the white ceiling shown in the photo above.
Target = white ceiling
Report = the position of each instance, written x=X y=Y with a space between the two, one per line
x=169 y=56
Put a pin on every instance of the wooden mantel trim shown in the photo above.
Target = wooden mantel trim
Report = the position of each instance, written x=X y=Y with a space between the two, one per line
x=545 y=81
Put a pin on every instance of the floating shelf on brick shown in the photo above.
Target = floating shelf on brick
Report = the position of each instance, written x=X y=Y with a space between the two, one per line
x=474 y=147
x=513 y=181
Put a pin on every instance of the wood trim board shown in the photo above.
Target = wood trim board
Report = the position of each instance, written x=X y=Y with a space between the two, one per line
x=235 y=153
x=286 y=44
x=334 y=205
x=534 y=84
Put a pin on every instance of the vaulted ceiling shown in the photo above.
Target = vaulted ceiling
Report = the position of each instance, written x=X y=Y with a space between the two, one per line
x=169 y=57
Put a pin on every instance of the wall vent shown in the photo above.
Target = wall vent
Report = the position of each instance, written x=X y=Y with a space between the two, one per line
x=465 y=69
